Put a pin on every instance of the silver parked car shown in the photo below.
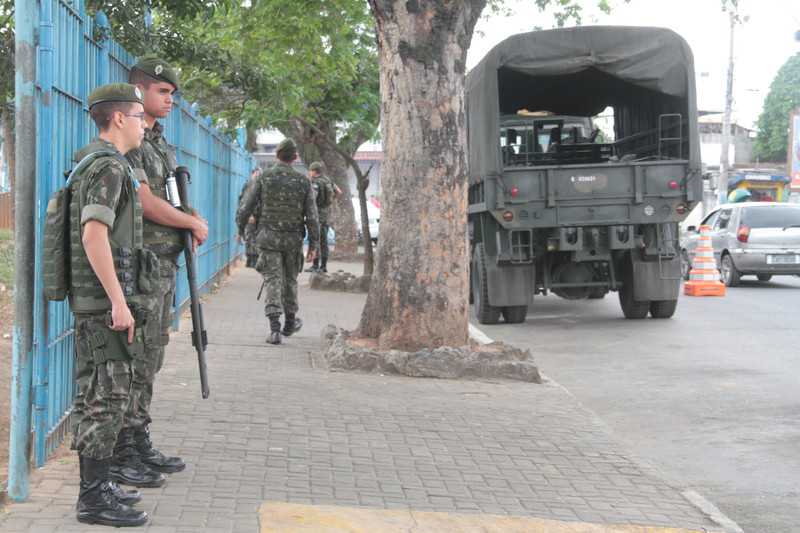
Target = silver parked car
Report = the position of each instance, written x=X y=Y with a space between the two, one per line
x=753 y=238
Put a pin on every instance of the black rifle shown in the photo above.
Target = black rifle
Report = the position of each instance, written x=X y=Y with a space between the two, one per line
x=199 y=336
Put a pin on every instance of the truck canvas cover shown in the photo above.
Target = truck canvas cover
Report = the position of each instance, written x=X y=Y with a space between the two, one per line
x=641 y=72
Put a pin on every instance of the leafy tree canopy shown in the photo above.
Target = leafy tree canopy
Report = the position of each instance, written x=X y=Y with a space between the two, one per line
x=783 y=97
x=6 y=52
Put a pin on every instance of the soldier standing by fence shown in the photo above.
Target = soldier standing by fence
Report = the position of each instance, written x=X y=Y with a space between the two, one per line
x=136 y=461
x=105 y=221
x=285 y=202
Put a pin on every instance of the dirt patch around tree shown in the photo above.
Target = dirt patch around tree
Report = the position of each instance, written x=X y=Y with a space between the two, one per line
x=342 y=351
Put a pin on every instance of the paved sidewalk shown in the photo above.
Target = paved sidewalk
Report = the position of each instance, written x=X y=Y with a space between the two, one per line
x=277 y=430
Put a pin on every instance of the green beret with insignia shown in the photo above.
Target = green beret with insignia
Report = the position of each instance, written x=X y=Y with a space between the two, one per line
x=116 y=92
x=286 y=148
x=316 y=166
x=158 y=69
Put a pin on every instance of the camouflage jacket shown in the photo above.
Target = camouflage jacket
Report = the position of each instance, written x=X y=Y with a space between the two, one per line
x=284 y=201
x=155 y=160
x=323 y=188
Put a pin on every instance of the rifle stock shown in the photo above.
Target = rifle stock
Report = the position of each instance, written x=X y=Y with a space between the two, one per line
x=199 y=335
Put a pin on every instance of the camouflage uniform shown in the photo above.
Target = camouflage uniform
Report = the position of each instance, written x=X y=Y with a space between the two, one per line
x=285 y=202
x=104 y=192
x=154 y=161
x=323 y=187
x=250 y=231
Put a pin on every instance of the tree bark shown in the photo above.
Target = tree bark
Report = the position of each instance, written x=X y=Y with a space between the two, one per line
x=419 y=292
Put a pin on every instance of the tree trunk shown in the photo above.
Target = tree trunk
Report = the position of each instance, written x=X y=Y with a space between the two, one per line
x=419 y=292
x=342 y=217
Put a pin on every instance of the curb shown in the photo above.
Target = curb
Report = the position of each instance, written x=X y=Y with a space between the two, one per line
x=692 y=496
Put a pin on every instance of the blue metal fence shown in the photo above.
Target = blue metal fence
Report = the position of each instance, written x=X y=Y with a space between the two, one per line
x=70 y=63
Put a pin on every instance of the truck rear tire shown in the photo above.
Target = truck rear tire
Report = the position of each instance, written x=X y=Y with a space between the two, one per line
x=485 y=313
x=632 y=309
x=663 y=309
x=515 y=314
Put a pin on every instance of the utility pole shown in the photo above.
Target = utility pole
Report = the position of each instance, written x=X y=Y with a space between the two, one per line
x=724 y=161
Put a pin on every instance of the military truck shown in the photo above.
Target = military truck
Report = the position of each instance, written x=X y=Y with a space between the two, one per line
x=556 y=204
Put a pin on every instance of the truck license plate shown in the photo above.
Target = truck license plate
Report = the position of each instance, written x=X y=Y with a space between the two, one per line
x=783 y=259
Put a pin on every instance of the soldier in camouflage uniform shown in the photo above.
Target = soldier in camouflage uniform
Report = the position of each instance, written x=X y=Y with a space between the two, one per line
x=249 y=237
x=136 y=461
x=109 y=272
x=325 y=192
x=284 y=200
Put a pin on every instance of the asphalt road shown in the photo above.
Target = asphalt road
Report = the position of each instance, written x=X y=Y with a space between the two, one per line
x=711 y=396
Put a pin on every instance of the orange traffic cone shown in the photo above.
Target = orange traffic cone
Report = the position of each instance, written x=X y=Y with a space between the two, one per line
x=704 y=279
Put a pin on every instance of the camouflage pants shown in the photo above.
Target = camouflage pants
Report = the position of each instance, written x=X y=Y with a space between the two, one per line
x=159 y=310
x=280 y=270
x=323 y=240
x=103 y=377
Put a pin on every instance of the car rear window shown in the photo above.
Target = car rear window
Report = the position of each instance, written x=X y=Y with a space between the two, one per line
x=771 y=217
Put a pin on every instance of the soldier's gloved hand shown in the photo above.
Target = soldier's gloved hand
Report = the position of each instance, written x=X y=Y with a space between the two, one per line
x=122 y=319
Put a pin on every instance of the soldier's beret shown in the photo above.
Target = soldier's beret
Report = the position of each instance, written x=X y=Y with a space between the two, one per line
x=158 y=69
x=316 y=166
x=116 y=92
x=286 y=147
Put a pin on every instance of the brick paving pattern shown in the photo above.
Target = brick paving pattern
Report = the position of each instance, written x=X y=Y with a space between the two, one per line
x=277 y=429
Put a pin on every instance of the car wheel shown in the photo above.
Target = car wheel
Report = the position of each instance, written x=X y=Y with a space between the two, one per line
x=730 y=275
x=764 y=277
x=485 y=313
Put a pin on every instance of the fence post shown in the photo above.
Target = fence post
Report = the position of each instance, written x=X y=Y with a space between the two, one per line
x=25 y=17
x=44 y=172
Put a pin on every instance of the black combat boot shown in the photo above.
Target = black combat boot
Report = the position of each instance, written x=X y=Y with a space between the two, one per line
x=274 y=336
x=314 y=266
x=152 y=457
x=292 y=325
x=97 y=503
x=127 y=466
x=127 y=497
x=324 y=265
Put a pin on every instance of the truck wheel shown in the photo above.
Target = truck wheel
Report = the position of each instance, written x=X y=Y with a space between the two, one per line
x=632 y=309
x=730 y=274
x=485 y=313
x=764 y=277
x=515 y=314
x=598 y=293
x=686 y=266
x=663 y=309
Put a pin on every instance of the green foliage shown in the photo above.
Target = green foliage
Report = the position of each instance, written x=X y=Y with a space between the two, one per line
x=6 y=257
x=783 y=97
x=6 y=53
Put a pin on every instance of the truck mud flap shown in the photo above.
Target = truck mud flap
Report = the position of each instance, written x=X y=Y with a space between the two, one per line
x=656 y=280
x=509 y=284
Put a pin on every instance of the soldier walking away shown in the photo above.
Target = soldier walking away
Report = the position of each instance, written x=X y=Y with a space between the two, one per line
x=325 y=191
x=136 y=462
x=106 y=291
x=249 y=237
x=284 y=200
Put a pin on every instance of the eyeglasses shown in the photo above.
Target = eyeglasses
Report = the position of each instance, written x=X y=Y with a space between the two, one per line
x=140 y=116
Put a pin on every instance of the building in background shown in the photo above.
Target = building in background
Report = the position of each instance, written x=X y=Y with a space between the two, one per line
x=741 y=147
x=793 y=161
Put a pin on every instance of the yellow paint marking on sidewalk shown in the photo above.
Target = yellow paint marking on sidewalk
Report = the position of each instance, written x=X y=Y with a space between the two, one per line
x=278 y=517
